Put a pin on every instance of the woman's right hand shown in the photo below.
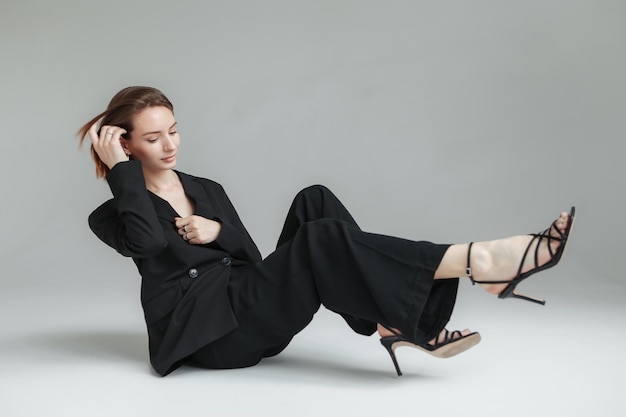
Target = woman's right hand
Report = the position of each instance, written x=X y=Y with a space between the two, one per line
x=108 y=144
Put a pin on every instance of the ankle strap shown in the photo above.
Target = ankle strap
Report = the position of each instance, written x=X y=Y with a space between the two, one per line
x=468 y=270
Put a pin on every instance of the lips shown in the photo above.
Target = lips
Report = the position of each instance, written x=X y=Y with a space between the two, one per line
x=169 y=158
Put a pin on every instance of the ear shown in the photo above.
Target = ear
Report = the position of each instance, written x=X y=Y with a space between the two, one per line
x=124 y=143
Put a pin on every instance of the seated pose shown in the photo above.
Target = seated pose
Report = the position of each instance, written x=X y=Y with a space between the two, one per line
x=210 y=300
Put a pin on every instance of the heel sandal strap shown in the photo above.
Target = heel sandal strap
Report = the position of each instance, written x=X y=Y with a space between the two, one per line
x=468 y=270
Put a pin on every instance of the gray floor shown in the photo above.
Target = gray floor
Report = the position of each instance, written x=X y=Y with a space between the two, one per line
x=85 y=354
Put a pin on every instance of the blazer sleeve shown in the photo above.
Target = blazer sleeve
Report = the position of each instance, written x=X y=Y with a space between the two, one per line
x=128 y=222
x=233 y=237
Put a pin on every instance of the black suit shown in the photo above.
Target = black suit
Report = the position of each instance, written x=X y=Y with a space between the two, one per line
x=221 y=305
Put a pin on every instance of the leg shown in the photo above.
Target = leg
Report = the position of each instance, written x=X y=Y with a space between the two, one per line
x=268 y=319
x=497 y=263
x=317 y=202
x=314 y=203
x=269 y=313
x=377 y=278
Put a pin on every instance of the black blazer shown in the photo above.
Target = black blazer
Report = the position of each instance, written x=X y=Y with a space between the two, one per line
x=184 y=286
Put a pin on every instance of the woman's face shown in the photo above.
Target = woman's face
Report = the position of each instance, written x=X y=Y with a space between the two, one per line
x=154 y=140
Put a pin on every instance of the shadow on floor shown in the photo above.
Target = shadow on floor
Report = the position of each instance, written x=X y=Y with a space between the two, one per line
x=125 y=346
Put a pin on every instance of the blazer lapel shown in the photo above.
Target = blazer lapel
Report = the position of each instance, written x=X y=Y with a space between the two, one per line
x=195 y=191
x=163 y=209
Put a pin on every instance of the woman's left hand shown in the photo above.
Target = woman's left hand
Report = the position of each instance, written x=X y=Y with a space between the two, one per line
x=198 y=230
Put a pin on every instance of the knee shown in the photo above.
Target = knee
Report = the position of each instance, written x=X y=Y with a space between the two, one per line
x=315 y=194
x=314 y=190
x=323 y=227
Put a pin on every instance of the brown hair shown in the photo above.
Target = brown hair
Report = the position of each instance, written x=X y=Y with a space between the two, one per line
x=120 y=112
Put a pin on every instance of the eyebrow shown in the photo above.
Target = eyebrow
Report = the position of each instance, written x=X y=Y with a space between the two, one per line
x=158 y=131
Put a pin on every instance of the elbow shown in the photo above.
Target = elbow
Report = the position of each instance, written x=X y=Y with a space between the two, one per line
x=147 y=248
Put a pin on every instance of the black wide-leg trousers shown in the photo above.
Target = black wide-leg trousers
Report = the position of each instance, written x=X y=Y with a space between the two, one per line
x=324 y=258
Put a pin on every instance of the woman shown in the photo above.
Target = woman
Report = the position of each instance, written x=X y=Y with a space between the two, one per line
x=210 y=300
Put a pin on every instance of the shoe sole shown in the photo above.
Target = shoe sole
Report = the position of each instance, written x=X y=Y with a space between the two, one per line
x=449 y=349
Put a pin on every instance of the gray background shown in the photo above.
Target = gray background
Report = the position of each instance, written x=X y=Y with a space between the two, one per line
x=442 y=120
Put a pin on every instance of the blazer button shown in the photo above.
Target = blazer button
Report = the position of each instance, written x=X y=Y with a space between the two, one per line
x=226 y=261
x=193 y=273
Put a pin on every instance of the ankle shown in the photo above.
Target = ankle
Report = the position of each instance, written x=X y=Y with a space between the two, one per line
x=481 y=262
x=384 y=332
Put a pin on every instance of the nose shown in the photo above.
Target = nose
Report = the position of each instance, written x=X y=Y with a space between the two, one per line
x=168 y=143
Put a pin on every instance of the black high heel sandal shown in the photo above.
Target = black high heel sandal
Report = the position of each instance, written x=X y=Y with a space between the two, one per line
x=451 y=345
x=509 y=291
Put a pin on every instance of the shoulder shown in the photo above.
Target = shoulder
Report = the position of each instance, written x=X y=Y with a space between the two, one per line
x=204 y=182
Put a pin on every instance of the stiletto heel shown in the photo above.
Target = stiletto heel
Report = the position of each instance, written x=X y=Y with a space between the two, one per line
x=389 y=343
x=509 y=290
x=452 y=344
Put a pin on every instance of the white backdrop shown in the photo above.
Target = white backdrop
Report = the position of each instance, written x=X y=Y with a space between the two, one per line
x=448 y=121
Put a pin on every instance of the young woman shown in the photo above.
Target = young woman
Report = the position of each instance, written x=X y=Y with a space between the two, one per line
x=210 y=300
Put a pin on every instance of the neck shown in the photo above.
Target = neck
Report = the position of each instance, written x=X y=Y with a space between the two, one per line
x=158 y=181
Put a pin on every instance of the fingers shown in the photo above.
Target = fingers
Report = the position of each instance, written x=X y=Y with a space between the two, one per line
x=108 y=143
x=187 y=235
x=194 y=229
x=182 y=224
x=93 y=132
x=111 y=134
x=197 y=229
x=184 y=230
x=184 y=227
x=105 y=134
x=180 y=221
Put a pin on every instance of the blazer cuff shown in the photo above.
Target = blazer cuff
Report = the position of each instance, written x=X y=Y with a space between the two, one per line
x=124 y=173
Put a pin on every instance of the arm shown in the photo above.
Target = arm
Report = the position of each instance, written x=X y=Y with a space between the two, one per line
x=128 y=223
x=221 y=227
